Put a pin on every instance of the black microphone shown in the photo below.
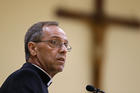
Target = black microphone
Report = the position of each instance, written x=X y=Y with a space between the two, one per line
x=93 y=89
x=90 y=88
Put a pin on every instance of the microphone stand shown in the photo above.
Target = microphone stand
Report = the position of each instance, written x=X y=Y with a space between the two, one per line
x=99 y=91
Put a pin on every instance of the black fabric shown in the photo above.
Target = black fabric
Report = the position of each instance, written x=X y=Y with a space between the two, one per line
x=28 y=79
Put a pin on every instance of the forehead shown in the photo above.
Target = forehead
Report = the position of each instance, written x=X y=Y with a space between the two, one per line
x=50 y=32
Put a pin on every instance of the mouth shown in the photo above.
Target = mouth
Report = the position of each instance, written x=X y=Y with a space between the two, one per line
x=62 y=60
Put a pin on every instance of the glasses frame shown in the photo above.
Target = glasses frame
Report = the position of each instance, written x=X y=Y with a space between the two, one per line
x=68 y=47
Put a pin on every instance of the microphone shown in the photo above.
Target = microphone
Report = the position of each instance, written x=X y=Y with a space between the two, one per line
x=90 y=88
x=93 y=89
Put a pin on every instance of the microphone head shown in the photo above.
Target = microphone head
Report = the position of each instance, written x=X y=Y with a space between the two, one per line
x=90 y=88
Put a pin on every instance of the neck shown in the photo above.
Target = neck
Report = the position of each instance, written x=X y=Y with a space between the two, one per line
x=38 y=63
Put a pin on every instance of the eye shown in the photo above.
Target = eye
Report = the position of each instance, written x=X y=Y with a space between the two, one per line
x=53 y=42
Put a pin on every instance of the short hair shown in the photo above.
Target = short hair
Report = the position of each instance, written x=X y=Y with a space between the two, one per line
x=34 y=33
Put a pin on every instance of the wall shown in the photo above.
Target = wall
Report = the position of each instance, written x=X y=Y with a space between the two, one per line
x=122 y=46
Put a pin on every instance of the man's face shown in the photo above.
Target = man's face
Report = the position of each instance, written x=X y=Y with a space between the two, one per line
x=52 y=59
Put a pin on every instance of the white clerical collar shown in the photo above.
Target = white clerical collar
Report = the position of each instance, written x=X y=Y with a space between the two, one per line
x=48 y=84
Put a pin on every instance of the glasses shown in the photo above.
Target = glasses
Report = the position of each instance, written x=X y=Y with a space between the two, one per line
x=57 y=44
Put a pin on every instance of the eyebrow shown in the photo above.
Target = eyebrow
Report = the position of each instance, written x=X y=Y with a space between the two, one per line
x=59 y=38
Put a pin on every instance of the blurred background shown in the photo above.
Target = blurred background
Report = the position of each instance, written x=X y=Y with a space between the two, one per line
x=121 y=61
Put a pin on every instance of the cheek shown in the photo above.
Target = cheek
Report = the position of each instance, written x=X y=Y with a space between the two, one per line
x=47 y=54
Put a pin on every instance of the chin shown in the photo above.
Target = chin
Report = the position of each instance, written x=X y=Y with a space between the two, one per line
x=60 y=69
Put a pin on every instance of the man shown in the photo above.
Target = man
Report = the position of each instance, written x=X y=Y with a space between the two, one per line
x=46 y=46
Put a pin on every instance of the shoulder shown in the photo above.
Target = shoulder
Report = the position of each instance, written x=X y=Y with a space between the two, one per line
x=20 y=79
x=24 y=75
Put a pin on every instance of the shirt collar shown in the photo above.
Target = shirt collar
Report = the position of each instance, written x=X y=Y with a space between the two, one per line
x=49 y=83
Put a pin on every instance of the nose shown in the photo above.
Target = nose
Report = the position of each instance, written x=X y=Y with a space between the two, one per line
x=63 y=49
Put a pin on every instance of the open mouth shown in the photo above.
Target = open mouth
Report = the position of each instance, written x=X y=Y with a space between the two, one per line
x=61 y=60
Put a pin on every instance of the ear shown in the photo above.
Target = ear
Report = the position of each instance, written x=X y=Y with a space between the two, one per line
x=32 y=48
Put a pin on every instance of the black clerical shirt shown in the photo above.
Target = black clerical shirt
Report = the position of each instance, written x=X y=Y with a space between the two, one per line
x=28 y=79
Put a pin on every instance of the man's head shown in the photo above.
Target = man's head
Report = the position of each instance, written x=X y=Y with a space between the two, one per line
x=46 y=45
